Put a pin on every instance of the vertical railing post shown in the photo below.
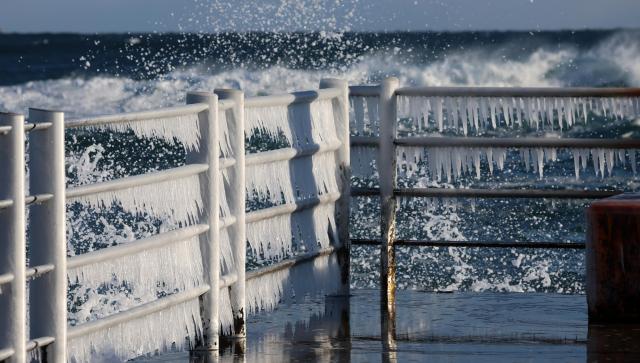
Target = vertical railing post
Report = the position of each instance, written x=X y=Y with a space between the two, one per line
x=387 y=174
x=47 y=235
x=341 y=114
x=209 y=153
x=236 y=198
x=13 y=309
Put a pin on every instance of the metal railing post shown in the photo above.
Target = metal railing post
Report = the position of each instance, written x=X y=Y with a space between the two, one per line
x=13 y=310
x=236 y=199
x=209 y=153
x=47 y=235
x=341 y=115
x=387 y=172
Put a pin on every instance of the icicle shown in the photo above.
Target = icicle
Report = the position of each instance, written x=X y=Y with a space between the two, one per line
x=270 y=238
x=372 y=112
x=576 y=163
x=224 y=140
x=177 y=265
x=227 y=262
x=357 y=103
x=185 y=129
x=178 y=199
x=225 y=312
x=439 y=113
x=169 y=329
x=308 y=279
x=632 y=160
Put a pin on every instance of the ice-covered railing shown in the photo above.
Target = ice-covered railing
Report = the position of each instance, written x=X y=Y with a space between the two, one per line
x=46 y=268
x=307 y=186
x=404 y=130
x=200 y=260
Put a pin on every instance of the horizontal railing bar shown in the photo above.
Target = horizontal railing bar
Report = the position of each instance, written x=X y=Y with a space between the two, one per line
x=227 y=222
x=6 y=353
x=138 y=116
x=5 y=203
x=28 y=127
x=364 y=91
x=5 y=130
x=36 y=271
x=364 y=141
x=153 y=242
x=228 y=280
x=292 y=98
x=37 y=199
x=137 y=180
x=489 y=193
x=227 y=163
x=137 y=312
x=290 y=153
x=39 y=343
x=6 y=278
x=529 y=142
x=289 y=263
x=506 y=193
x=289 y=208
x=470 y=244
x=517 y=92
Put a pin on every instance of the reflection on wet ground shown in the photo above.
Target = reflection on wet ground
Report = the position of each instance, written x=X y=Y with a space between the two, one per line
x=458 y=327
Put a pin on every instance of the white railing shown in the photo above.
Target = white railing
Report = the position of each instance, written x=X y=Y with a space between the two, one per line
x=220 y=148
x=546 y=107
x=47 y=243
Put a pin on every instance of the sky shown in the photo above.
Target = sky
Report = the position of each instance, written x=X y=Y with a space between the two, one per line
x=97 y=16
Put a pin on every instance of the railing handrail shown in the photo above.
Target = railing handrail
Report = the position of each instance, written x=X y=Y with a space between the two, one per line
x=137 y=116
x=517 y=92
x=291 y=98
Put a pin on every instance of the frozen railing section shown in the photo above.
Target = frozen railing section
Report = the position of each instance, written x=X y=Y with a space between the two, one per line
x=403 y=132
x=303 y=181
x=45 y=272
x=189 y=278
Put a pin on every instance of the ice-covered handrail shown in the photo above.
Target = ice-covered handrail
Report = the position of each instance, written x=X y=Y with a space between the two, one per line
x=137 y=312
x=157 y=241
x=6 y=353
x=37 y=271
x=289 y=263
x=292 y=98
x=517 y=92
x=489 y=193
x=137 y=116
x=6 y=203
x=290 y=153
x=6 y=278
x=290 y=208
x=5 y=130
x=137 y=180
x=39 y=342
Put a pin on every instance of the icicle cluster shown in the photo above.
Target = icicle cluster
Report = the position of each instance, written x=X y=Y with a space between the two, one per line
x=224 y=137
x=169 y=329
x=227 y=262
x=273 y=238
x=364 y=115
x=225 y=313
x=603 y=159
x=307 y=279
x=453 y=162
x=300 y=123
x=185 y=129
x=178 y=199
x=176 y=266
x=293 y=179
x=466 y=113
x=449 y=162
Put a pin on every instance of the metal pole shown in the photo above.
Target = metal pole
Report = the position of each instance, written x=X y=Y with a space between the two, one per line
x=341 y=116
x=387 y=172
x=47 y=236
x=209 y=153
x=13 y=311
x=236 y=199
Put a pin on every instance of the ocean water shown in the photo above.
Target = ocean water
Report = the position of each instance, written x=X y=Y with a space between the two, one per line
x=86 y=75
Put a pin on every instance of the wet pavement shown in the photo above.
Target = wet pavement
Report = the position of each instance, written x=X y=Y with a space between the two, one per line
x=434 y=327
